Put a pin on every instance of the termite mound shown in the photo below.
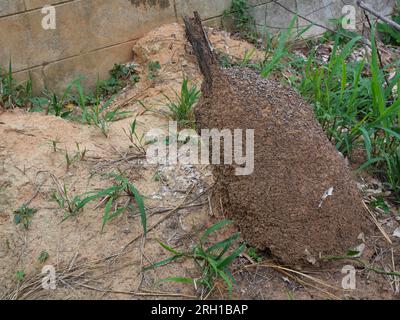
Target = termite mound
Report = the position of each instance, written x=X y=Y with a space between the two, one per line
x=283 y=206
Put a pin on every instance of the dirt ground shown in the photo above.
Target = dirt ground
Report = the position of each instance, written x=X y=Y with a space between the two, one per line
x=95 y=265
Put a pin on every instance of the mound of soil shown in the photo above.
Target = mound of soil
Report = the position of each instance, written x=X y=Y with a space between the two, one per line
x=281 y=206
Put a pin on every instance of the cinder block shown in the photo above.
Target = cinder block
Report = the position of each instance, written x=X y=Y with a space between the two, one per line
x=36 y=75
x=207 y=9
x=8 y=7
x=320 y=12
x=87 y=25
x=117 y=21
x=383 y=6
x=37 y=4
x=324 y=11
x=59 y=74
x=15 y=40
x=213 y=22
x=273 y=18
x=70 y=38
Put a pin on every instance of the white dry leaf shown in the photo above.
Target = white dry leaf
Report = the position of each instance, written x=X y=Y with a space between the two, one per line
x=396 y=233
x=310 y=258
x=373 y=192
x=395 y=92
x=328 y=193
x=285 y=279
x=361 y=186
x=156 y=197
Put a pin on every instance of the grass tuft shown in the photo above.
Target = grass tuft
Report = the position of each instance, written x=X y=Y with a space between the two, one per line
x=181 y=109
x=213 y=260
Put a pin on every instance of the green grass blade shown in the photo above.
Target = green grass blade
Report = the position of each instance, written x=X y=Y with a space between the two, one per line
x=178 y=280
x=280 y=51
x=161 y=263
x=232 y=257
x=215 y=228
x=140 y=204
x=168 y=248
x=225 y=244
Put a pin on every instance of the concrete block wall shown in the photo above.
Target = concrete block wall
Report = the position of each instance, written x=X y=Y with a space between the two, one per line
x=273 y=17
x=92 y=35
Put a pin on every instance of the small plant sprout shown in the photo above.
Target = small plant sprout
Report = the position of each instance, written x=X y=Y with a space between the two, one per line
x=381 y=204
x=252 y=252
x=118 y=199
x=14 y=94
x=243 y=21
x=68 y=160
x=54 y=145
x=20 y=275
x=78 y=156
x=101 y=118
x=247 y=57
x=138 y=141
x=120 y=76
x=43 y=257
x=71 y=205
x=153 y=68
x=8 y=244
x=212 y=260
x=24 y=215
x=157 y=176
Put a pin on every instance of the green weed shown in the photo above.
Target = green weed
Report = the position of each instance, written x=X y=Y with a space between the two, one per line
x=20 y=275
x=121 y=190
x=153 y=68
x=252 y=252
x=71 y=205
x=182 y=108
x=138 y=142
x=279 y=56
x=93 y=111
x=78 y=156
x=213 y=261
x=14 y=94
x=74 y=103
x=355 y=108
x=243 y=21
x=120 y=76
x=390 y=35
x=43 y=257
x=100 y=117
x=24 y=215
x=380 y=203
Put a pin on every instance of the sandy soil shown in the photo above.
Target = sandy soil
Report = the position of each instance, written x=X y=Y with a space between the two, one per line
x=108 y=265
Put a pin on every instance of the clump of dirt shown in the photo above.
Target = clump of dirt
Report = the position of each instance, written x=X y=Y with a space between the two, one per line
x=300 y=203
